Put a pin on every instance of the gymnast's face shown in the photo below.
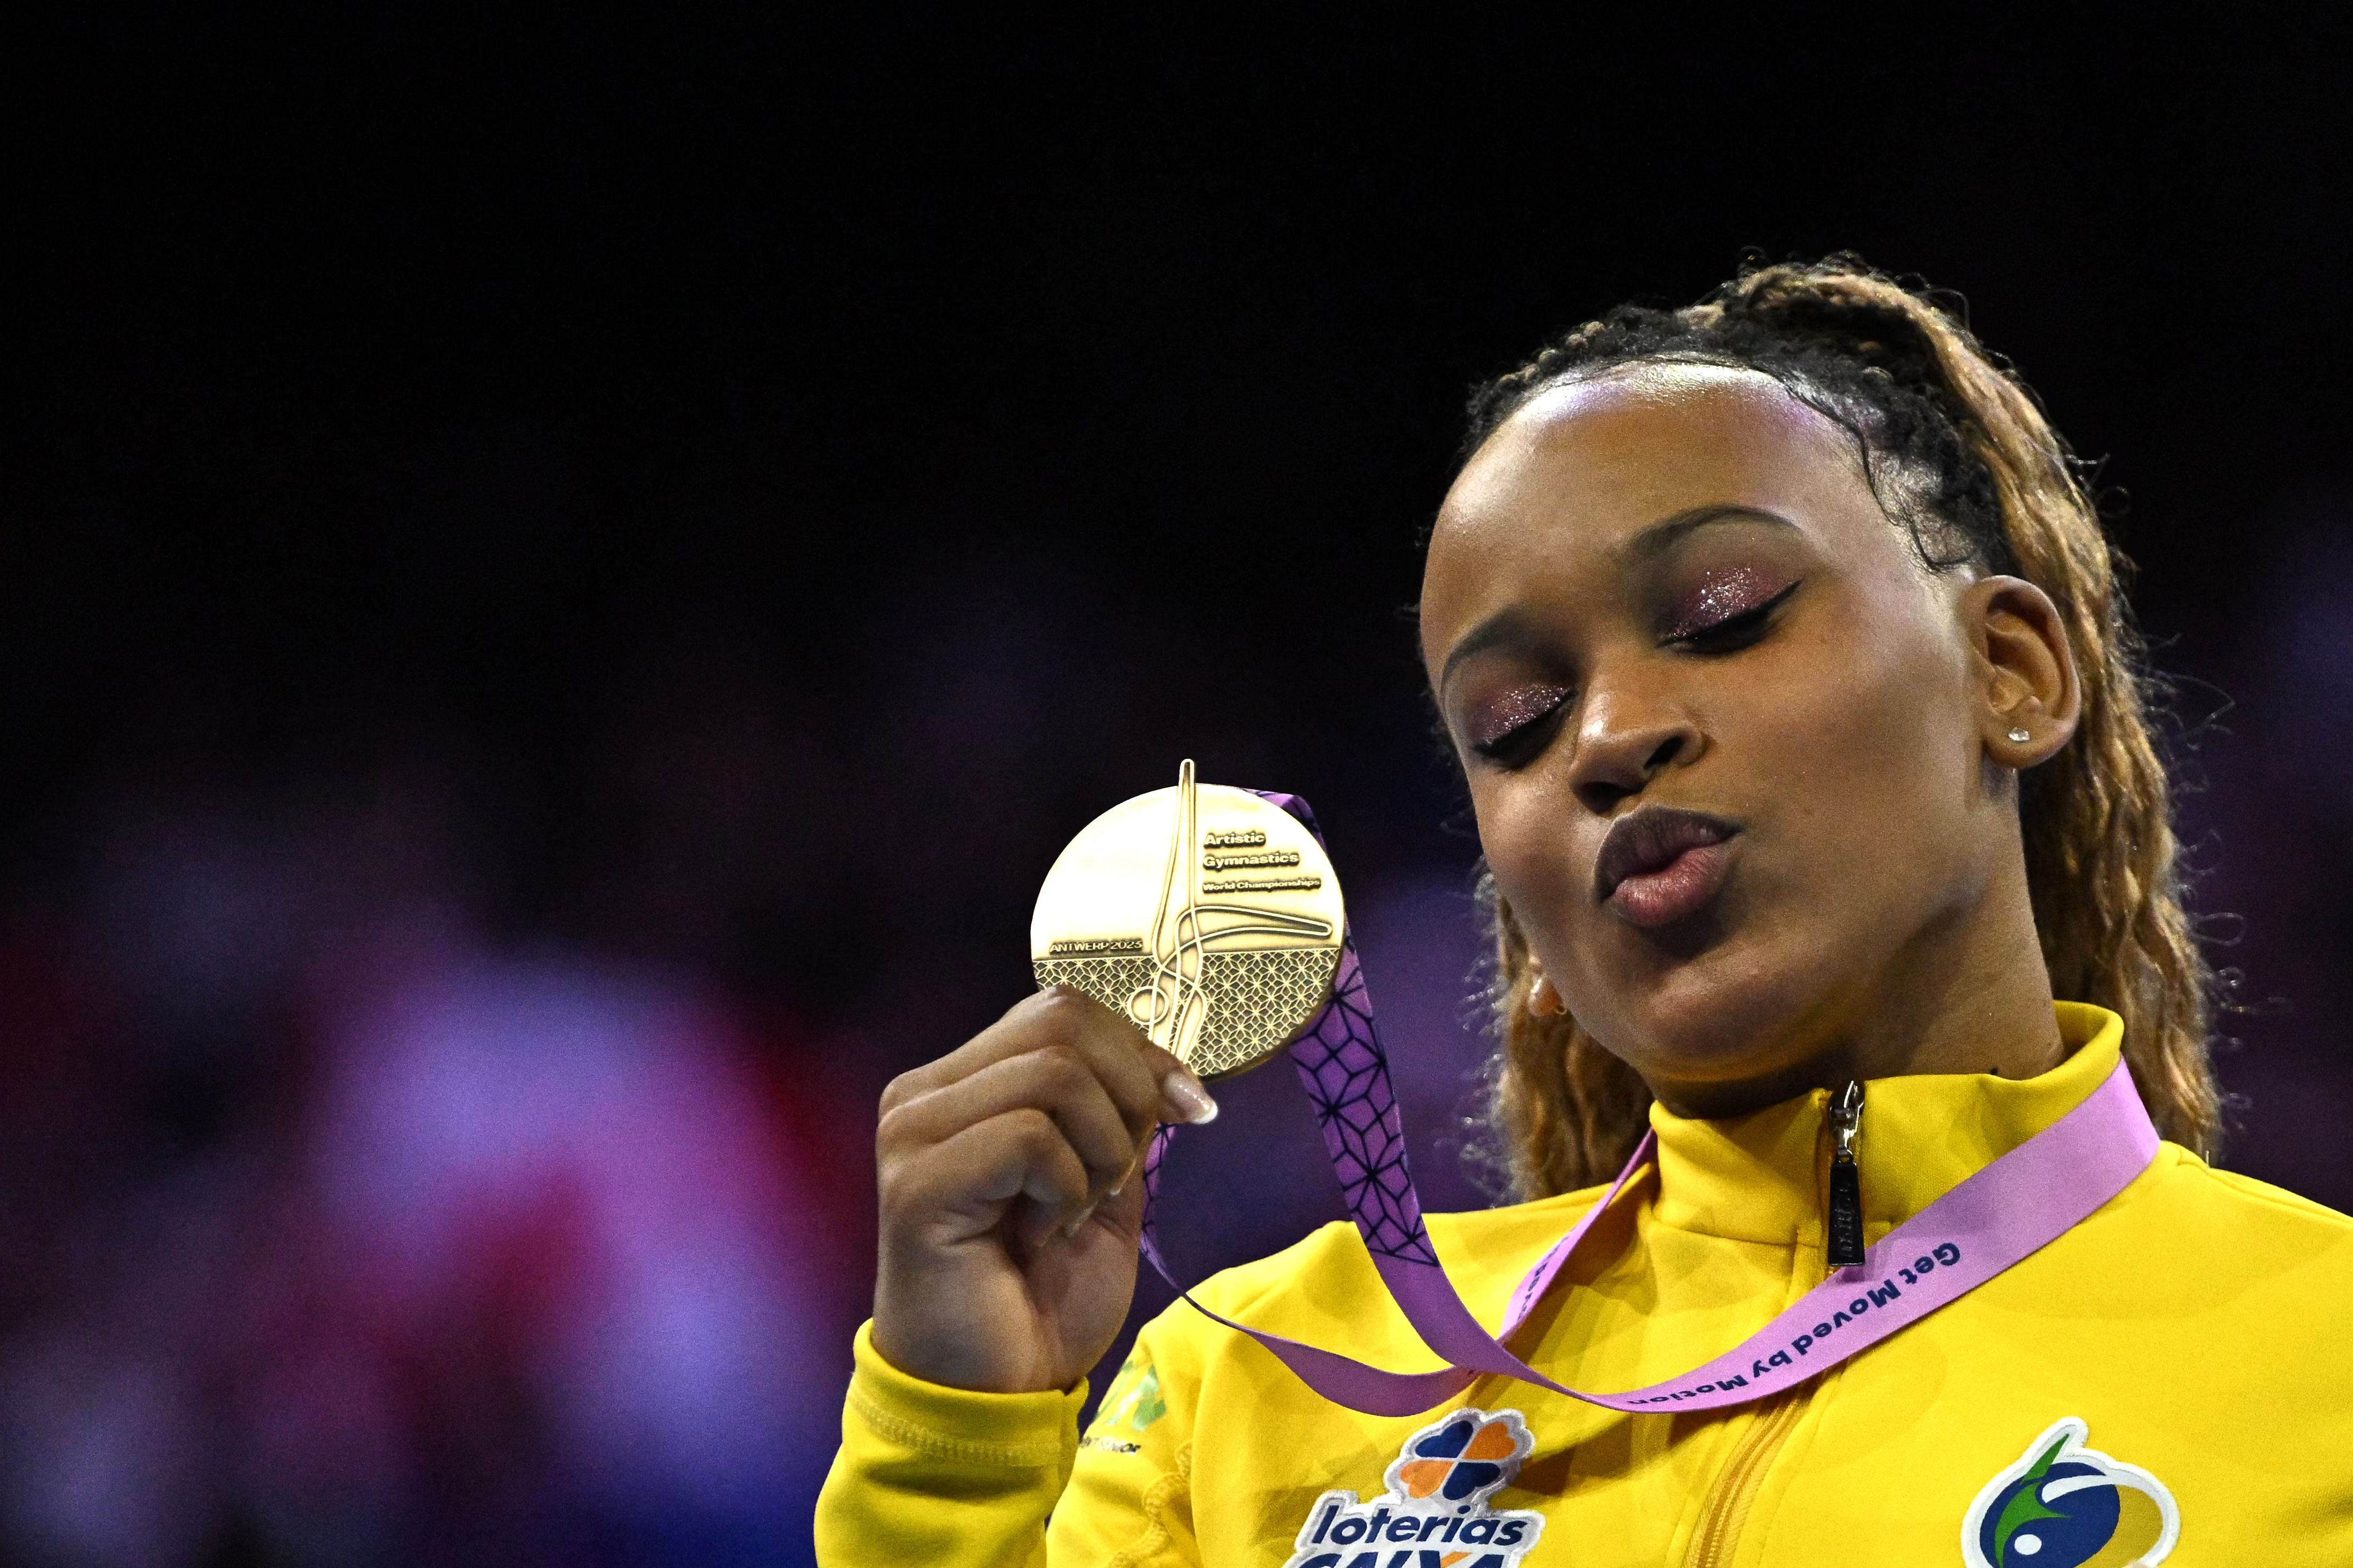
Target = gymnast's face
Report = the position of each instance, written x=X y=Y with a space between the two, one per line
x=1725 y=735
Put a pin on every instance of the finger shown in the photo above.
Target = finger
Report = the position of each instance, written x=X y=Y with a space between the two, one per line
x=1182 y=1097
x=1116 y=1045
x=1057 y=1013
x=1120 y=1209
x=1056 y=1080
x=1067 y=1016
x=1145 y=1082
x=1134 y=1172
x=968 y=1181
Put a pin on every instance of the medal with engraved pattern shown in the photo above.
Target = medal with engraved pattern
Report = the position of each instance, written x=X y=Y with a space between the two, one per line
x=1207 y=916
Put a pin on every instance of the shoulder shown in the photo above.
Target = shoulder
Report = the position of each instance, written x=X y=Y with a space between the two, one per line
x=2251 y=1201
x=2196 y=1297
x=2189 y=1209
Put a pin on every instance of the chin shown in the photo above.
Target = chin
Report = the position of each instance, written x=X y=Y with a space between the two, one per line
x=1733 y=1012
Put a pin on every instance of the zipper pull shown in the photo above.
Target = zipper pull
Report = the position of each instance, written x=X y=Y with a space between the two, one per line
x=1846 y=1238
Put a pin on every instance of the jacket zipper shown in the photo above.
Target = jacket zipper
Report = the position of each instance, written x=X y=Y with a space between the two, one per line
x=1843 y=1236
x=1720 y=1525
x=1728 y=1507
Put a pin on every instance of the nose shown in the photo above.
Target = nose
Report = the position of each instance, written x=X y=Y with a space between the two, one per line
x=1625 y=738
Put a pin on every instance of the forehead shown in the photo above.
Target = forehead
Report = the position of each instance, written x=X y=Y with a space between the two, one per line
x=1582 y=468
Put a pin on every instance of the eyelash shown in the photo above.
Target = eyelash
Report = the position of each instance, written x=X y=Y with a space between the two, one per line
x=1735 y=631
x=1519 y=745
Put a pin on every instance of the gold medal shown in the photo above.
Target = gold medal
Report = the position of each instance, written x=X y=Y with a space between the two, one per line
x=1207 y=916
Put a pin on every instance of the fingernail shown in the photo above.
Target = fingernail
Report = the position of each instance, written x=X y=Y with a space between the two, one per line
x=1186 y=1096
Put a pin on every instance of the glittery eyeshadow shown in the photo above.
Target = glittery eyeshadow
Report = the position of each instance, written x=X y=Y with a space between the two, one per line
x=1518 y=707
x=1721 y=596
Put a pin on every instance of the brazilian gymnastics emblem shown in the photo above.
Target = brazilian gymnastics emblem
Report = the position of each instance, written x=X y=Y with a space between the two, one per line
x=2066 y=1506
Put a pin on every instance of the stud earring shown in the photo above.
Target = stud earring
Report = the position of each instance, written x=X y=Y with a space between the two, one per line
x=2022 y=736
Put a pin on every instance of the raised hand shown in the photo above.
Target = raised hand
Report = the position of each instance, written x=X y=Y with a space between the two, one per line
x=1010 y=1172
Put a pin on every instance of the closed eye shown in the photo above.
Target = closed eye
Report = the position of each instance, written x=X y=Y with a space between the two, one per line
x=1529 y=724
x=1729 y=633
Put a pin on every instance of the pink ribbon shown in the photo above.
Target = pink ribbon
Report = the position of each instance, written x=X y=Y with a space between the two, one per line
x=2001 y=1215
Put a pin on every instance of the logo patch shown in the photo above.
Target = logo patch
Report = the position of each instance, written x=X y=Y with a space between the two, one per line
x=1131 y=1404
x=1433 y=1512
x=2066 y=1506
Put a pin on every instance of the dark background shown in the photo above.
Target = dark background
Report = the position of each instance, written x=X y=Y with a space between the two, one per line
x=566 y=574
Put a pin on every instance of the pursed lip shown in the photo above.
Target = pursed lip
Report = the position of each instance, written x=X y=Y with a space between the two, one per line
x=1651 y=839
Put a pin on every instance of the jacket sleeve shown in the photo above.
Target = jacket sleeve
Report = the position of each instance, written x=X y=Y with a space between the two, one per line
x=932 y=1475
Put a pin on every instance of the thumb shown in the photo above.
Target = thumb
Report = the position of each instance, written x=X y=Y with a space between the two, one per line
x=1182 y=1097
x=1123 y=1211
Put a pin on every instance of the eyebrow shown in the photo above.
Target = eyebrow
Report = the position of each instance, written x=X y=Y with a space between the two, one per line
x=1509 y=625
x=1503 y=627
x=1665 y=534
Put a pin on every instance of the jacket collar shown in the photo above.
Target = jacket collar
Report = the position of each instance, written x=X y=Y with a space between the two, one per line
x=1764 y=1177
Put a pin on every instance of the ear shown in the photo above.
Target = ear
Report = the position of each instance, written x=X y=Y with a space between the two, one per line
x=2026 y=671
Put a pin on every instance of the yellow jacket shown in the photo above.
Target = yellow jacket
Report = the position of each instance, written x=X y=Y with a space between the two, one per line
x=2173 y=1376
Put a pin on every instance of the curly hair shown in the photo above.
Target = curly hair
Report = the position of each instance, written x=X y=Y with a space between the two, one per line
x=1961 y=456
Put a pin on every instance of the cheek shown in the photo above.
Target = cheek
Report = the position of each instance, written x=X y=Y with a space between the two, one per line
x=1863 y=757
x=1525 y=831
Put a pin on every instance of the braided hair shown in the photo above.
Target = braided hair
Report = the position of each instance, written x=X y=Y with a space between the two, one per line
x=1962 y=459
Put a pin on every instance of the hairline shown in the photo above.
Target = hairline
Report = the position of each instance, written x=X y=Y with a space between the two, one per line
x=1800 y=388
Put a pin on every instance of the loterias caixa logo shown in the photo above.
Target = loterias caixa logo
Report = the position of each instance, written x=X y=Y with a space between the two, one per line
x=2063 y=1505
x=1435 y=1504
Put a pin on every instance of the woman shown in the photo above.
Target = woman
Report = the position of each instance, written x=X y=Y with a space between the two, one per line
x=1804 y=726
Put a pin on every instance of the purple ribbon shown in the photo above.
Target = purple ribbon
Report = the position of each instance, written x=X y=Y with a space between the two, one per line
x=2001 y=1215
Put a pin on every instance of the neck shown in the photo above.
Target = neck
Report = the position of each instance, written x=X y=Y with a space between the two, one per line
x=1967 y=994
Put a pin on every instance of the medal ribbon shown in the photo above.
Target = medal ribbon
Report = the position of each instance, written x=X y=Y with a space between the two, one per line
x=1998 y=1216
